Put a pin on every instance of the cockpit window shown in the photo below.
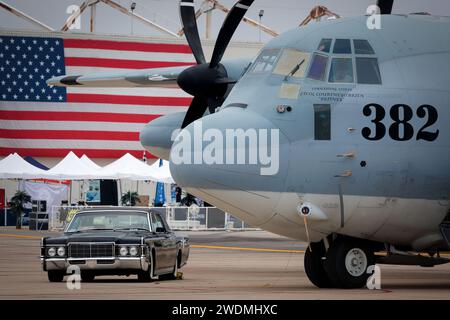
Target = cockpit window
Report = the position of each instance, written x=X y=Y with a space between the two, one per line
x=318 y=67
x=341 y=70
x=293 y=63
x=342 y=46
x=265 y=61
x=367 y=71
x=363 y=47
x=324 y=45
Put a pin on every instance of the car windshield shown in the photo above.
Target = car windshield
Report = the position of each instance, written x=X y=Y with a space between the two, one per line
x=109 y=220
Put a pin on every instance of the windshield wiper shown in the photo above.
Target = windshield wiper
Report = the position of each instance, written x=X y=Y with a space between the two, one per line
x=294 y=70
x=143 y=229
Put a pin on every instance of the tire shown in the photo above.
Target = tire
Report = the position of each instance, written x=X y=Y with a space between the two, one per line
x=87 y=276
x=314 y=266
x=146 y=276
x=347 y=261
x=55 y=275
x=174 y=274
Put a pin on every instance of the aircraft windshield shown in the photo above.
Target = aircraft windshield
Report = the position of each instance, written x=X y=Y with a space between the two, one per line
x=265 y=61
x=293 y=63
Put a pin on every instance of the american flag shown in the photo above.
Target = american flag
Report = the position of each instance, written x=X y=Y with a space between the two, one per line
x=42 y=121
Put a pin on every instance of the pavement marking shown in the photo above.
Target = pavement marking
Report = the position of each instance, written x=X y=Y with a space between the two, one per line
x=19 y=236
x=200 y=246
x=246 y=249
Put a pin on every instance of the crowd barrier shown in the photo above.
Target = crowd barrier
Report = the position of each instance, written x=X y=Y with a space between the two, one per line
x=178 y=218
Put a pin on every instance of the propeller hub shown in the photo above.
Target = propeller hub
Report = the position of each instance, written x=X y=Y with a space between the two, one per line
x=201 y=80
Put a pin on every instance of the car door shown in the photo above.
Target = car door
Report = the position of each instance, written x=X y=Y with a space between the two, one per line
x=165 y=245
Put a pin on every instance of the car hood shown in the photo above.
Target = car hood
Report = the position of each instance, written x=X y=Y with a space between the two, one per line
x=119 y=237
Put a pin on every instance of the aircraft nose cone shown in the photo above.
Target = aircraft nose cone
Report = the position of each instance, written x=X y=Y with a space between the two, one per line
x=235 y=159
x=156 y=135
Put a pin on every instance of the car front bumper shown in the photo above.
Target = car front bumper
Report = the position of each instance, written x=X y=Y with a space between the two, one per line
x=114 y=263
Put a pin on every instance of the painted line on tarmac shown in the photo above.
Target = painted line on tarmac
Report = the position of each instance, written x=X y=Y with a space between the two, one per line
x=19 y=236
x=246 y=249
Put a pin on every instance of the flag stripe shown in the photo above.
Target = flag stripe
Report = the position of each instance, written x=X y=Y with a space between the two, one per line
x=76 y=116
x=71 y=125
x=91 y=107
x=126 y=46
x=119 y=99
x=119 y=63
x=69 y=135
x=129 y=55
x=60 y=153
x=76 y=144
x=137 y=92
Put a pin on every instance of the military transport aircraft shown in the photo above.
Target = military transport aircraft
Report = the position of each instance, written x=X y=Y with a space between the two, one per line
x=360 y=137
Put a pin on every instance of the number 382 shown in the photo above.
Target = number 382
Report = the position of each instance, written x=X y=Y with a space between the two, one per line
x=400 y=129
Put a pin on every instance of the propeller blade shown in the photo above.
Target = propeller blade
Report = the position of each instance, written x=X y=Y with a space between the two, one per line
x=195 y=111
x=385 y=6
x=187 y=14
x=227 y=30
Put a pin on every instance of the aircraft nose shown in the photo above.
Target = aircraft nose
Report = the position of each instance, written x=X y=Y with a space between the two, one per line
x=235 y=159
x=156 y=135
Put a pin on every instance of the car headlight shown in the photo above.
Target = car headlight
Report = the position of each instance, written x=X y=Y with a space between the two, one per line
x=61 y=251
x=133 y=251
x=123 y=251
x=51 y=252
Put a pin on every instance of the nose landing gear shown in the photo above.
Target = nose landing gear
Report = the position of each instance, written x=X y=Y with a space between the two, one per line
x=344 y=265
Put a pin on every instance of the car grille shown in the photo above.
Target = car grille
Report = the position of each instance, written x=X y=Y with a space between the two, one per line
x=91 y=250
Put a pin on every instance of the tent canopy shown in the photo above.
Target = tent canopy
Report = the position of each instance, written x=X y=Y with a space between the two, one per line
x=128 y=167
x=74 y=168
x=15 y=167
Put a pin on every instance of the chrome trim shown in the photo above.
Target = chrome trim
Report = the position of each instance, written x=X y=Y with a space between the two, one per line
x=69 y=251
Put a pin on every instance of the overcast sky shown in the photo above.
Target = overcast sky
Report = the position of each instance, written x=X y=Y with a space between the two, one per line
x=279 y=15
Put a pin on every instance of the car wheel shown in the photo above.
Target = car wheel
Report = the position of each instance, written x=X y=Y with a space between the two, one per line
x=174 y=274
x=314 y=265
x=87 y=276
x=55 y=275
x=347 y=262
x=146 y=276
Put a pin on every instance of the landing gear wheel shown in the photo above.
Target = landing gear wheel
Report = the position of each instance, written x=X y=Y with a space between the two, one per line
x=87 y=276
x=55 y=275
x=314 y=265
x=347 y=261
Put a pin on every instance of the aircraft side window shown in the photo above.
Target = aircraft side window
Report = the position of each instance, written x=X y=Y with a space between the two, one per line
x=341 y=70
x=324 y=45
x=342 y=46
x=322 y=122
x=367 y=71
x=318 y=67
x=363 y=47
x=265 y=61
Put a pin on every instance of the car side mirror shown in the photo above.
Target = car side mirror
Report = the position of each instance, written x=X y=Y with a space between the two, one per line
x=160 y=229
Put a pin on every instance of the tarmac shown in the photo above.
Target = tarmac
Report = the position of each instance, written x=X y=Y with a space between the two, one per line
x=222 y=265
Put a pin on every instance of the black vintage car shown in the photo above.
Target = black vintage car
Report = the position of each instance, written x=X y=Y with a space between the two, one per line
x=115 y=241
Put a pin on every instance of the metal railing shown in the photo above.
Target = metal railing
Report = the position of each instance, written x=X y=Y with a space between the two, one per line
x=178 y=218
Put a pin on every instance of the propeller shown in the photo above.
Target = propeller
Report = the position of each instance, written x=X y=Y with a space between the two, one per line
x=207 y=82
x=385 y=6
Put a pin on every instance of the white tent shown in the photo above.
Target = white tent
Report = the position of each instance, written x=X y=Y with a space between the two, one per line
x=89 y=162
x=73 y=168
x=128 y=167
x=162 y=173
x=15 y=167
